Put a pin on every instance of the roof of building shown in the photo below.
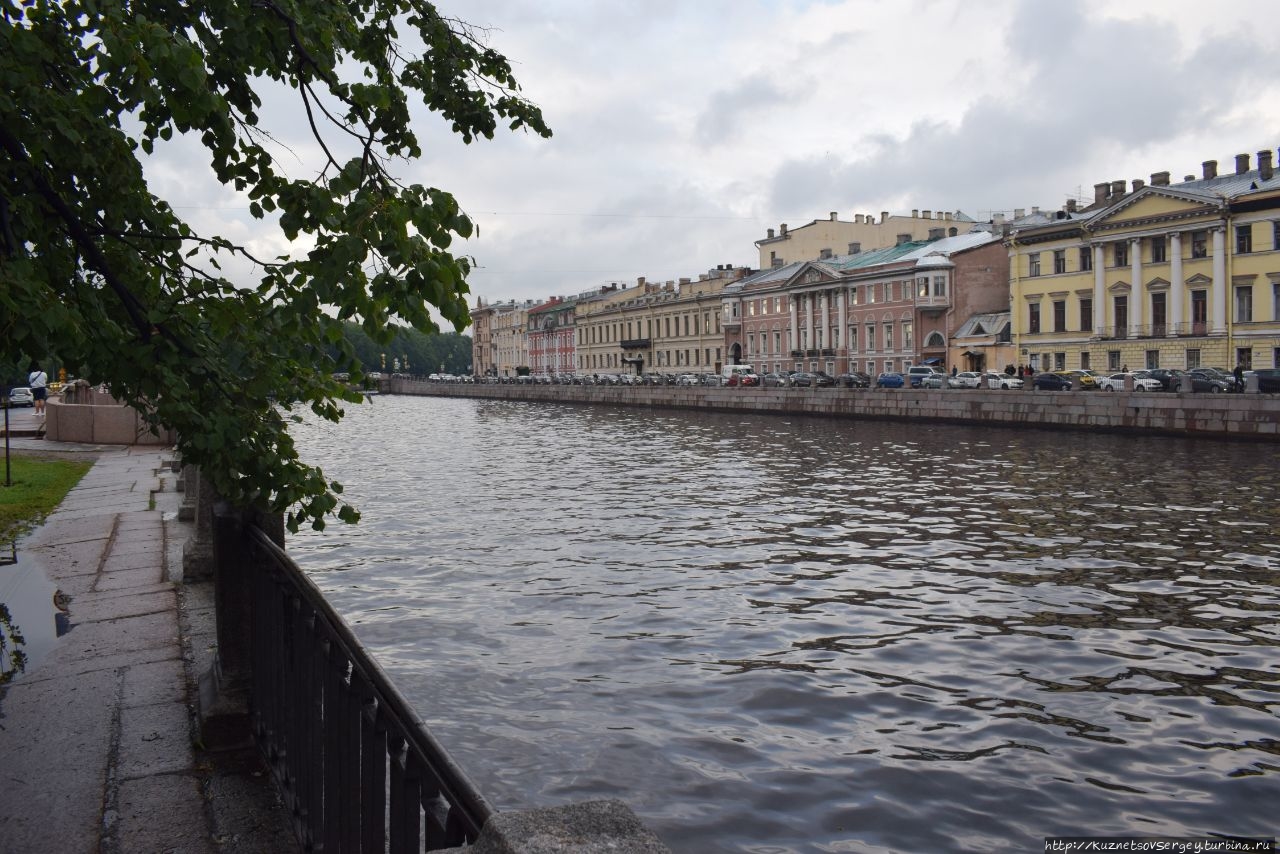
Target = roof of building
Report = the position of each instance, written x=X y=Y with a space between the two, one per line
x=983 y=325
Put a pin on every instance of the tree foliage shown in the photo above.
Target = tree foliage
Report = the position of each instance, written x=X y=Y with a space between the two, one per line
x=101 y=274
x=417 y=353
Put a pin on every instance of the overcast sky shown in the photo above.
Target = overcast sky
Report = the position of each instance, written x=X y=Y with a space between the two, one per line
x=685 y=128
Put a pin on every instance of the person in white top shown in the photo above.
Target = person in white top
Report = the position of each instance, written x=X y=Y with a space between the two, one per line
x=39 y=382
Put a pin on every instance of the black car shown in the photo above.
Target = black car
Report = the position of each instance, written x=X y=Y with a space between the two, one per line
x=1167 y=377
x=1268 y=379
x=823 y=380
x=854 y=379
x=1051 y=382
x=1218 y=375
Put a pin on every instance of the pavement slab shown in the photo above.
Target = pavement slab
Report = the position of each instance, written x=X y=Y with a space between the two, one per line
x=99 y=749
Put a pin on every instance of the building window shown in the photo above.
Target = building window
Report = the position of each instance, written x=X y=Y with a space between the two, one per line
x=1199 y=312
x=1244 y=239
x=1193 y=358
x=1275 y=300
x=907 y=335
x=777 y=342
x=1084 y=360
x=1059 y=361
x=853 y=338
x=1034 y=258
x=1244 y=304
x=1121 y=250
x=1275 y=235
x=922 y=287
x=1158 y=315
x=1113 y=360
x=1158 y=251
x=1059 y=315
x=1153 y=360
x=939 y=286
x=1059 y=260
x=888 y=336
x=1121 y=314
x=1199 y=244
x=1033 y=318
x=1086 y=315
x=1086 y=258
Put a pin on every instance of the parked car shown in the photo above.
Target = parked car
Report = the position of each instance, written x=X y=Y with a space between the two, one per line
x=1049 y=381
x=991 y=379
x=687 y=379
x=916 y=373
x=1141 y=382
x=822 y=379
x=935 y=381
x=773 y=380
x=889 y=379
x=751 y=379
x=1168 y=377
x=1218 y=375
x=854 y=379
x=801 y=378
x=965 y=379
x=1088 y=379
x=21 y=396
x=1268 y=379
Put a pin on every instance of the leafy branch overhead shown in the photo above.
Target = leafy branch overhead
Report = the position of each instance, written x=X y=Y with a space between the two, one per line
x=98 y=272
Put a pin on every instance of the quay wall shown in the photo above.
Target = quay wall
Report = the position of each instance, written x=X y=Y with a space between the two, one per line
x=1239 y=416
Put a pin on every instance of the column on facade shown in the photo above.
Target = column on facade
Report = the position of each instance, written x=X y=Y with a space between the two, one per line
x=809 y=300
x=1176 y=289
x=1099 y=289
x=1137 y=302
x=795 y=321
x=1219 y=326
x=824 y=314
x=842 y=315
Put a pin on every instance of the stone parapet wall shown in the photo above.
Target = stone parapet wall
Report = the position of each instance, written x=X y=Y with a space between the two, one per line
x=100 y=422
x=1246 y=416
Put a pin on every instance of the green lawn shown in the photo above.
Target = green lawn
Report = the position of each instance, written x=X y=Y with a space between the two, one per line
x=38 y=486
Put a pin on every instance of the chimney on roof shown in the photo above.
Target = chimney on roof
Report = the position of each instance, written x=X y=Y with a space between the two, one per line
x=1242 y=164
x=640 y=281
x=1100 y=192
x=1138 y=184
x=926 y=214
x=857 y=218
x=1210 y=169
x=1019 y=213
x=1264 y=165
x=1071 y=206
x=769 y=234
x=1035 y=209
x=824 y=254
x=855 y=248
x=1159 y=179
x=783 y=228
x=884 y=217
x=684 y=281
x=1117 y=188
x=833 y=216
x=915 y=213
x=947 y=216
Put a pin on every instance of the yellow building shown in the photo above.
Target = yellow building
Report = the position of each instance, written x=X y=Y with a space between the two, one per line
x=831 y=237
x=1160 y=275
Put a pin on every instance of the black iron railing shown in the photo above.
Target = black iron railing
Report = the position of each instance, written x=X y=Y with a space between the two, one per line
x=355 y=764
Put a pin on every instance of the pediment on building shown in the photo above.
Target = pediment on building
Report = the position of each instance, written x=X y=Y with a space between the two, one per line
x=1158 y=284
x=811 y=273
x=1151 y=206
x=1120 y=288
x=1200 y=279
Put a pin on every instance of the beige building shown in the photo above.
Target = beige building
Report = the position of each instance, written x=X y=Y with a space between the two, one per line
x=483 y=354
x=831 y=237
x=672 y=327
x=499 y=337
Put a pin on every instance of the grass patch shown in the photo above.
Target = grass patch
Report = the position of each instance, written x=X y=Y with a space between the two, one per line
x=38 y=487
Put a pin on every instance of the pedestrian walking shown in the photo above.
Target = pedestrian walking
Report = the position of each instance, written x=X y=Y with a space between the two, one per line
x=39 y=382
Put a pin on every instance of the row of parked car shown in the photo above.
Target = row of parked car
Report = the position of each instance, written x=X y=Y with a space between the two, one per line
x=1207 y=380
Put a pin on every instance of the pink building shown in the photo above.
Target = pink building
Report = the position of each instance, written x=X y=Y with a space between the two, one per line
x=551 y=337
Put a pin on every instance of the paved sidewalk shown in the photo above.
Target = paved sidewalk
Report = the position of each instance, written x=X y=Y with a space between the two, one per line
x=98 y=748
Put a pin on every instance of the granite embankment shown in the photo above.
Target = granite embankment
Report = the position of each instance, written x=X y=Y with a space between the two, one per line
x=1240 y=416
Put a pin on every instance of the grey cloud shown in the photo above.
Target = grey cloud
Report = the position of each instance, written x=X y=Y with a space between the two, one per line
x=730 y=110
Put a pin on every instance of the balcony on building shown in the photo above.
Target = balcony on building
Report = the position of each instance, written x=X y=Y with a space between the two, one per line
x=636 y=344
x=933 y=303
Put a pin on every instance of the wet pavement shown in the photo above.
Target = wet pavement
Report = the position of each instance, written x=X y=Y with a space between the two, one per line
x=99 y=747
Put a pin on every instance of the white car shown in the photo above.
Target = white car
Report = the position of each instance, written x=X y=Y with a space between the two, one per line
x=21 y=396
x=966 y=379
x=993 y=380
x=1141 y=382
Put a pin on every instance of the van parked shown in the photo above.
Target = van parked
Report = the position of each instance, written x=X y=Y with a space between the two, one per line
x=916 y=373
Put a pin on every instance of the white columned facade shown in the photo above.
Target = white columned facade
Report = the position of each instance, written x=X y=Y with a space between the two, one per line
x=795 y=321
x=842 y=316
x=810 y=299
x=824 y=311
x=1219 y=324
x=1099 y=291
x=1177 y=290
x=1138 y=300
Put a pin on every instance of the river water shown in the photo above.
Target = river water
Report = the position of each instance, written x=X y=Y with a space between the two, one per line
x=776 y=634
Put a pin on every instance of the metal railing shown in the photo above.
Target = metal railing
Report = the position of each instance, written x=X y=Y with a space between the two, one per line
x=355 y=764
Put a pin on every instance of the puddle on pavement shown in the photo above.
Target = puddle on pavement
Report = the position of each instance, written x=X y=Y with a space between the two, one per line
x=32 y=613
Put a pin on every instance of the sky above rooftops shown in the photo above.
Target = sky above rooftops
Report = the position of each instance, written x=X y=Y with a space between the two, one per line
x=683 y=130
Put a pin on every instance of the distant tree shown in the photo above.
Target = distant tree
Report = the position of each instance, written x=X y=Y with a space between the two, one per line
x=424 y=353
x=102 y=275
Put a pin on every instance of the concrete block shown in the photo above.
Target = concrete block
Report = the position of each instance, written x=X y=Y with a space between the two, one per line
x=154 y=739
x=154 y=814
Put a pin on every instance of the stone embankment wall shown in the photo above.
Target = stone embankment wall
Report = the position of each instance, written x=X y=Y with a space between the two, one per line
x=83 y=414
x=1244 y=416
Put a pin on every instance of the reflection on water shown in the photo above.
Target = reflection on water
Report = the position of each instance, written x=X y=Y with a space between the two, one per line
x=784 y=634
x=32 y=615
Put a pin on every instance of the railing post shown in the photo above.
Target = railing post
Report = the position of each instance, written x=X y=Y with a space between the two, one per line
x=225 y=686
